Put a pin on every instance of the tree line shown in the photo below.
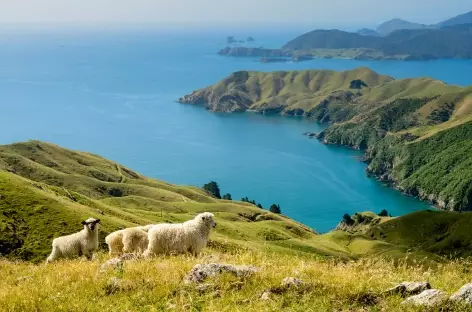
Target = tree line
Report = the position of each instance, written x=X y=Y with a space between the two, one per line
x=213 y=189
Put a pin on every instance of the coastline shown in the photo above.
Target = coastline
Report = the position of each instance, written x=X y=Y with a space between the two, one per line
x=390 y=183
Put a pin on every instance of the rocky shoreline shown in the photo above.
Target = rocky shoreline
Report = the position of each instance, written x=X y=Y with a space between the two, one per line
x=360 y=54
x=386 y=128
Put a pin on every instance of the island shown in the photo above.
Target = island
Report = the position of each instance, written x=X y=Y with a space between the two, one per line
x=410 y=129
x=394 y=40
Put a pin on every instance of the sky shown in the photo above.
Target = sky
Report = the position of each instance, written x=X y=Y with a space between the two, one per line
x=327 y=13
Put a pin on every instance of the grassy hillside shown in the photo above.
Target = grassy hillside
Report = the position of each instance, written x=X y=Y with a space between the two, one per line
x=46 y=191
x=446 y=233
x=157 y=285
x=415 y=131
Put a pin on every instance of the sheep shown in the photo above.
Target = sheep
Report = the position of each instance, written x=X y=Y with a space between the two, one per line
x=128 y=240
x=82 y=243
x=190 y=236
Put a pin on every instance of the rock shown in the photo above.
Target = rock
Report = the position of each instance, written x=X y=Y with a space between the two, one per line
x=292 y=282
x=200 y=272
x=203 y=287
x=112 y=263
x=113 y=285
x=428 y=298
x=311 y=134
x=463 y=295
x=266 y=295
x=409 y=288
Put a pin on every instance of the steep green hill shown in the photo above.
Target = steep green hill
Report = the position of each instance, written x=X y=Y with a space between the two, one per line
x=46 y=191
x=416 y=131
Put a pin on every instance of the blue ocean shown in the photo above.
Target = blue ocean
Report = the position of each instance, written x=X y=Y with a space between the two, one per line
x=113 y=93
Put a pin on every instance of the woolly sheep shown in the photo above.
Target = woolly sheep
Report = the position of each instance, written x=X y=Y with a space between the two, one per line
x=128 y=240
x=190 y=236
x=82 y=243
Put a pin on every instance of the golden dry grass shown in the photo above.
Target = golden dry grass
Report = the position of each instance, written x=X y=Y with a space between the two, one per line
x=157 y=284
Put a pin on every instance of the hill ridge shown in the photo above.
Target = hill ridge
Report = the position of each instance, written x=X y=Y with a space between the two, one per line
x=390 y=118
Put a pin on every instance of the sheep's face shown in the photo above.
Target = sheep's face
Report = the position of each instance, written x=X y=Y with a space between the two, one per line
x=208 y=219
x=91 y=223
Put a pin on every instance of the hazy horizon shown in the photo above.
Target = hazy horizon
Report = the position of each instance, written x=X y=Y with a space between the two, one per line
x=208 y=13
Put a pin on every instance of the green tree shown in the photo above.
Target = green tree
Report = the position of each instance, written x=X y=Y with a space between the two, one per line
x=260 y=206
x=275 y=209
x=347 y=219
x=383 y=213
x=213 y=189
x=227 y=196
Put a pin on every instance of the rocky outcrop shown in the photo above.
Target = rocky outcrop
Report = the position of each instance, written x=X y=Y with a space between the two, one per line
x=428 y=298
x=292 y=282
x=201 y=272
x=463 y=295
x=287 y=284
x=409 y=288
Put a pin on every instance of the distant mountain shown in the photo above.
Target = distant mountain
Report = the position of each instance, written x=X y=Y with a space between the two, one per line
x=460 y=19
x=448 y=42
x=367 y=32
x=396 y=24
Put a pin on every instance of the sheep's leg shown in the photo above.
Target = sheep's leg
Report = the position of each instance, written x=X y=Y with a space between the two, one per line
x=52 y=256
x=86 y=252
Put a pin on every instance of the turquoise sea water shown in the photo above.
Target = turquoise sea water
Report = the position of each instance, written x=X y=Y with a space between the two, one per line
x=113 y=93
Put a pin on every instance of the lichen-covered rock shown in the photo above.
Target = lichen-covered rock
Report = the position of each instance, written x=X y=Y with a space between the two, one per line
x=292 y=282
x=409 y=288
x=113 y=285
x=111 y=264
x=463 y=295
x=201 y=272
x=266 y=295
x=428 y=298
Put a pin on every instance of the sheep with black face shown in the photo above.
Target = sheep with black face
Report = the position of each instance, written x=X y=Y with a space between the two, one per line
x=188 y=237
x=79 y=244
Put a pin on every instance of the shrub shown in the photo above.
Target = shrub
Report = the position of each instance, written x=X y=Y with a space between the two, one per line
x=213 y=189
x=383 y=213
x=227 y=196
x=275 y=209
x=347 y=219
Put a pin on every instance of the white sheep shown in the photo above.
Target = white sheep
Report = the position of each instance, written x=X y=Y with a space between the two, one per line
x=82 y=243
x=190 y=236
x=133 y=239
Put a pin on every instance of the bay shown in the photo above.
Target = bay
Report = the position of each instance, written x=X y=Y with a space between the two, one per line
x=113 y=93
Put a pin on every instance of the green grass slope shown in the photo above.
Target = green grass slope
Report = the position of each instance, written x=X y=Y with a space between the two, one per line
x=46 y=191
x=446 y=233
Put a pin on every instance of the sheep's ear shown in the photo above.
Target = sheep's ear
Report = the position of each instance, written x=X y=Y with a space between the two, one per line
x=84 y=223
x=98 y=221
